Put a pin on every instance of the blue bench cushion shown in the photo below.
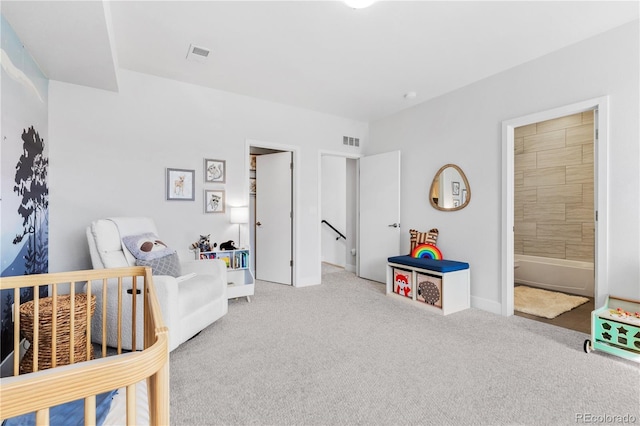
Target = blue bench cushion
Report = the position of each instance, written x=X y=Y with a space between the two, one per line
x=429 y=264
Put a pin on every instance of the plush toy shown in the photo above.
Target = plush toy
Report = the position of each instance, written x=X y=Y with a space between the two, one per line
x=204 y=244
x=229 y=245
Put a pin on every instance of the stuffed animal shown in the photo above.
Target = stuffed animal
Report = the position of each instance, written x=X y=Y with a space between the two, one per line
x=229 y=245
x=204 y=244
x=150 y=246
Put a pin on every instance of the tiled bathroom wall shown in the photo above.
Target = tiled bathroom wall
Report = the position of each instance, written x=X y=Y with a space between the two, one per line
x=554 y=199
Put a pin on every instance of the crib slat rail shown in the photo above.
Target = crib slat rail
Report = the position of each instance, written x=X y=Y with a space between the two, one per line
x=39 y=390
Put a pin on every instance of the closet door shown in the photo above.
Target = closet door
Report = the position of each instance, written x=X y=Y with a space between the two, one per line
x=274 y=218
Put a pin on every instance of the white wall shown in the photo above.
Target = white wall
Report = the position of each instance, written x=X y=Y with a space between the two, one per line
x=352 y=213
x=109 y=152
x=464 y=128
x=333 y=195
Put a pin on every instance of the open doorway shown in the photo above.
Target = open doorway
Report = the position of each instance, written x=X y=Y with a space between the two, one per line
x=554 y=232
x=375 y=224
x=271 y=212
x=599 y=108
x=339 y=212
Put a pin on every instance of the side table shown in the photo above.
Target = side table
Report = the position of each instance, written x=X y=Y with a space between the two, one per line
x=241 y=282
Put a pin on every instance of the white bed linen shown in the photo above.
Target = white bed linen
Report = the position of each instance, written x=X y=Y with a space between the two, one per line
x=117 y=415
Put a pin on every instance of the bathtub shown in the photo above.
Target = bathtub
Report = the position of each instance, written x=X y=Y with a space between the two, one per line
x=568 y=276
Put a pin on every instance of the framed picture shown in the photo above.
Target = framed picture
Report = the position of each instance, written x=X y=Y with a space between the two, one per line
x=215 y=171
x=456 y=202
x=214 y=201
x=455 y=188
x=252 y=186
x=180 y=184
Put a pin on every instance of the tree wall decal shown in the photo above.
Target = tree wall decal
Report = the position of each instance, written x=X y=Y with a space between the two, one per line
x=31 y=184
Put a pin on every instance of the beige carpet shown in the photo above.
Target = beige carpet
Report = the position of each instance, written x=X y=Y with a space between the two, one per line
x=342 y=353
x=544 y=303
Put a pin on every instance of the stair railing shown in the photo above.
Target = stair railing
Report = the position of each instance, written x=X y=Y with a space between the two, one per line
x=340 y=235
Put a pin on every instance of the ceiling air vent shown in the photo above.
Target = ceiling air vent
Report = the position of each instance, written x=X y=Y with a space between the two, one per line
x=198 y=53
x=348 y=140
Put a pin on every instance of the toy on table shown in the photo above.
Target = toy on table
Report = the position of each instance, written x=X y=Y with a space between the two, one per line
x=229 y=245
x=428 y=251
x=204 y=243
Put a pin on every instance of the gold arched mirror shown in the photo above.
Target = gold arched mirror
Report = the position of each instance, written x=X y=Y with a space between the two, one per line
x=450 y=190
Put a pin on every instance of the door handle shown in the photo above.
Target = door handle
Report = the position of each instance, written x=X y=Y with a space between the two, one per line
x=258 y=224
x=394 y=225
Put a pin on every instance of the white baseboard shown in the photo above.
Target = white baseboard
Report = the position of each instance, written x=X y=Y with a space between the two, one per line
x=308 y=281
x=486 y=305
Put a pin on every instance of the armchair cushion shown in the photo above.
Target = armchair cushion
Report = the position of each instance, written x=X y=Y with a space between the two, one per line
x=167 y=265
x=105 y=245
x=146 y=246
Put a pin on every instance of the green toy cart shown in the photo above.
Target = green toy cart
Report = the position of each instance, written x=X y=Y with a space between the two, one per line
x=615 y=328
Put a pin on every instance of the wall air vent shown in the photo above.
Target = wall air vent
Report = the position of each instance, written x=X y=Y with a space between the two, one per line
x=350 y=141
x=198 y=53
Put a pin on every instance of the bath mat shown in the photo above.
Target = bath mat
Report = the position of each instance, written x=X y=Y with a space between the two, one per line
x=544 y=303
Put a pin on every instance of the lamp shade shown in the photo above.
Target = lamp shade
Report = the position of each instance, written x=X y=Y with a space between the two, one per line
x=239 y=215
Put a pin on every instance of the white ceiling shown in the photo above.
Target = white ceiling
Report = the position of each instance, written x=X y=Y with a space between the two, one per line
x=319 y=55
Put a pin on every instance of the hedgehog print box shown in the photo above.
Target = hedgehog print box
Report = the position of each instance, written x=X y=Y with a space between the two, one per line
x=429 y=289
x=440 y=286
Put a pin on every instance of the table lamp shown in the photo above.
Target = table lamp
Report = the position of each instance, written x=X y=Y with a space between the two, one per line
x=239 y=215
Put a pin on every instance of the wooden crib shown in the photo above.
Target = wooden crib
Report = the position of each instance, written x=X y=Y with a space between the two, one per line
x=81 y=379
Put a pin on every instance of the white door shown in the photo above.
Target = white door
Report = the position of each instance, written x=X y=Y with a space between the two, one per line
x=274 y=217
x=379 y=213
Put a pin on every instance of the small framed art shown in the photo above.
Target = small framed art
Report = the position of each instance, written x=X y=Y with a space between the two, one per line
x=455 y=188
x=214 y=201
x=180 y=184
x=215 y=171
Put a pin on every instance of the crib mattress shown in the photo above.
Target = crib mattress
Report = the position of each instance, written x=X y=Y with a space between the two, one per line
x=118 y=414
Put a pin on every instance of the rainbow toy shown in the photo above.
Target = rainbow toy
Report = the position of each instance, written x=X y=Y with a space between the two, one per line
x=428 y=251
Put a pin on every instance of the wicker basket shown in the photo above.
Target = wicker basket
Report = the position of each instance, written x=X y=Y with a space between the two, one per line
x=63 y=339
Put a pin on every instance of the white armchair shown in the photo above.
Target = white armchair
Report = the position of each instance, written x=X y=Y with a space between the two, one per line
x=188 y=303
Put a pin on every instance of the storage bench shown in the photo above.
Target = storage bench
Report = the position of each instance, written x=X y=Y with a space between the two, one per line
x=441 y=286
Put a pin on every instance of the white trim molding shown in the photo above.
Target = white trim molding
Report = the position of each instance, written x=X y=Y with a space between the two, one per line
x=347 y=155
x=601 y=163
x=296 y=185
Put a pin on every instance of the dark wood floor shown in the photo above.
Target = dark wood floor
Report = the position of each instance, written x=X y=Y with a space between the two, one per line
x=578 y=319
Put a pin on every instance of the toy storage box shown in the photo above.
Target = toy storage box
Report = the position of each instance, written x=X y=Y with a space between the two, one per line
x=403 y=282
x=615 y=328
x=429 y=289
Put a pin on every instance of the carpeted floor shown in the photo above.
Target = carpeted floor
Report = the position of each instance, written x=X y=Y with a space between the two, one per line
x=343 y=353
